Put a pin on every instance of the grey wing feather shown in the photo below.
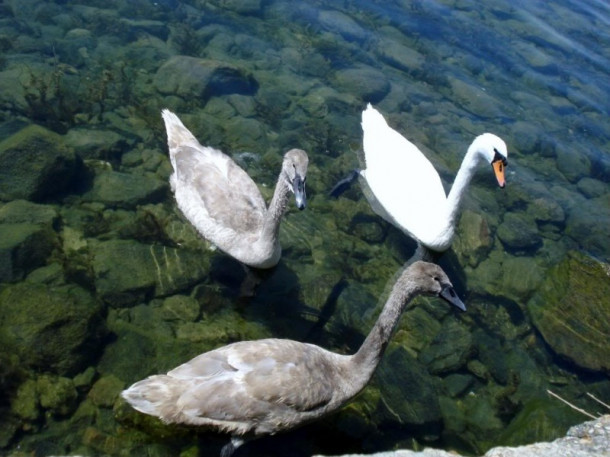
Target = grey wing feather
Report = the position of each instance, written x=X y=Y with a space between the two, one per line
x=227 y=192
x=242 y=385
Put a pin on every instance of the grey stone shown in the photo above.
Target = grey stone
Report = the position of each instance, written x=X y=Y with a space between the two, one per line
x=474 y=99
x=369 y=84
x=592 y=188
x=400 y=56
x=518 y=231
x=545 y=209
x=239 y=6
x=572 y=163
x=336 y=21
x=191 y=77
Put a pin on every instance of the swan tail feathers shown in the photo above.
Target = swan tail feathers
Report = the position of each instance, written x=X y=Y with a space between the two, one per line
x=372 y=119
x=156 y=396
x=177 y=133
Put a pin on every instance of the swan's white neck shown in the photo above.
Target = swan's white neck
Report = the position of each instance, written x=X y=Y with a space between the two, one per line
x=462 y=179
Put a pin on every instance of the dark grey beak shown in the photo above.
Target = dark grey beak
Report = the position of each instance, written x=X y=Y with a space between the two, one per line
x=298 y=187
x=449 y=295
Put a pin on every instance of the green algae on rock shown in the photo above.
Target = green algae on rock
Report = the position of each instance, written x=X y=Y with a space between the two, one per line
x=127 y=271
x=51 y=328
x=35 y=164
x=570 y=310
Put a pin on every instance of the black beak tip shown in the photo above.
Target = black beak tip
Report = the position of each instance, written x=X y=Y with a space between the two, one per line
x=449 y=295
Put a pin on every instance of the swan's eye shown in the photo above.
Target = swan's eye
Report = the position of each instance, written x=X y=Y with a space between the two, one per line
x=498 y=157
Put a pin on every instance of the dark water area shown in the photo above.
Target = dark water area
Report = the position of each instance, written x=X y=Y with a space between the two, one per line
x=103 y=282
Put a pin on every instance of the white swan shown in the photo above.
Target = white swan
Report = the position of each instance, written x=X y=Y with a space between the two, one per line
x=224 y=204
x=255 y=388
x=406 y=190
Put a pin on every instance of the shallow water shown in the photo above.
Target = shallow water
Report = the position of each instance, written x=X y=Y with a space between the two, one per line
x=103 y=282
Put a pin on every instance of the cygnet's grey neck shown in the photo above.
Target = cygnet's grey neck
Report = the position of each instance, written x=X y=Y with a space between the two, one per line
x=367 y=358
x=276 y=209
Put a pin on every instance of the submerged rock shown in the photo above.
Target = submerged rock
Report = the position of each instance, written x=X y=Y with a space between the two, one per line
x=408 y=393
x=589 y=439
x=191 y=77
x=449 y=350
x=101 y=144
x=57 y=394
x=125 y=190
x=518 y=231
x=127 y=271
x=370 y=84
x=27 y=238
x=23 y=248
x=473 y=241
x=35 y=164
x=338 y=22
x=570 y=311
x=55 y=329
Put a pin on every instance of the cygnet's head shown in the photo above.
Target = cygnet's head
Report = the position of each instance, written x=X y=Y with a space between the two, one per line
x=430 y=279
x=295 y=172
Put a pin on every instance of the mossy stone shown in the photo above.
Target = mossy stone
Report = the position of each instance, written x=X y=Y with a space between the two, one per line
x=569 y=310
x=473 y=241
x=106 y=390
x=518 y=231
x=125 y=190
x=456 y=384
x=127 y=271
x=26 y=403
x=539 y=420
x=409 y=394
x=23 y=248
x=521 y=277
x=57 y=394
x=180 y=308
x=449 y=350
x=35 y=164
x=51 y=328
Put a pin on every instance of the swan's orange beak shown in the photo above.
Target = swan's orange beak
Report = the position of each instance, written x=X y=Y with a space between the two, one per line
x=498 y=166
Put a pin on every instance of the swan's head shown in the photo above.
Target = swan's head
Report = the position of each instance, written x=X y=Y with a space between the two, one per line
x=430 y=279
x=294 y=171
x=493 y=148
